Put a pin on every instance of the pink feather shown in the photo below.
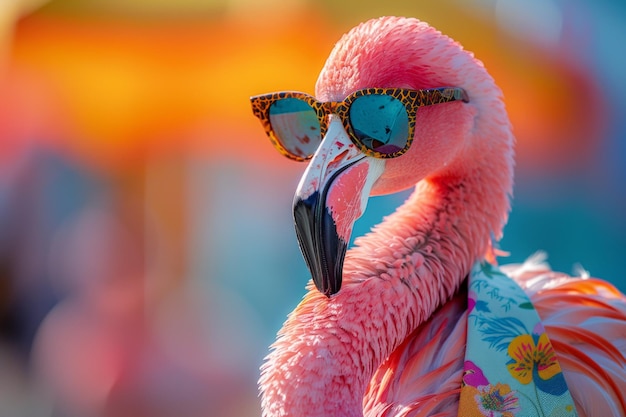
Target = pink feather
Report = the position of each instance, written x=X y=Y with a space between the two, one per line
x=392 y=341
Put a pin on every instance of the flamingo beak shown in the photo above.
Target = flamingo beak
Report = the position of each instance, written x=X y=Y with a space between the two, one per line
x=331 y=196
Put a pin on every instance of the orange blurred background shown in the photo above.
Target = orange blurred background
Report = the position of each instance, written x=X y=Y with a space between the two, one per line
x=147 y=253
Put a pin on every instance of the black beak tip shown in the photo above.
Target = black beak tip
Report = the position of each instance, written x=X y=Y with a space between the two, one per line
x=328 y=285
x=323 y=250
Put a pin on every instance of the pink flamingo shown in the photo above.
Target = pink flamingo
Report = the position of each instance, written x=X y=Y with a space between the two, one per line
x=391 y=342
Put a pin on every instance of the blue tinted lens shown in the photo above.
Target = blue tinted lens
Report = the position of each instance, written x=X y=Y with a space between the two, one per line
x=295 y=126
x=380 y=123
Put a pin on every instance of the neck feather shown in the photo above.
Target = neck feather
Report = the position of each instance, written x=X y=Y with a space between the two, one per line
x=394 y=279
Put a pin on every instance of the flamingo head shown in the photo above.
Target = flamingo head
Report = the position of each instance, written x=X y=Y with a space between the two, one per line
x=388 y=52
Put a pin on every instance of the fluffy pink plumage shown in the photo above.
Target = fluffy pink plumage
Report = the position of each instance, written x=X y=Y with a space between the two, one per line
x=392 y=341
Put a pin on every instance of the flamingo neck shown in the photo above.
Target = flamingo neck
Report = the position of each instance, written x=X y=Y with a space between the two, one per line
x=394 y=280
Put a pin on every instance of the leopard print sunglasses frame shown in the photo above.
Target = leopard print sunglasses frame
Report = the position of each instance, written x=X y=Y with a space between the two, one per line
x=411 y=99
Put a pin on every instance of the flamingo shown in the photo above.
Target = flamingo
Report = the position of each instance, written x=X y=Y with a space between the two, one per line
x=382 y=329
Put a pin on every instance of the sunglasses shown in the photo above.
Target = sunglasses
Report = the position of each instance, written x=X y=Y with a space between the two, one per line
x=379 y=121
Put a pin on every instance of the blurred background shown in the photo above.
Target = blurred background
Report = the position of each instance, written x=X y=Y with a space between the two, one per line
x=147 y=251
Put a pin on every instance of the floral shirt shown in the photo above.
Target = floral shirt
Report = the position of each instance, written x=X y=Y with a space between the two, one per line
x=511 y=369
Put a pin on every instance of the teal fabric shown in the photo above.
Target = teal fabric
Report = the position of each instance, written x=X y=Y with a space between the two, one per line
x=511 y=369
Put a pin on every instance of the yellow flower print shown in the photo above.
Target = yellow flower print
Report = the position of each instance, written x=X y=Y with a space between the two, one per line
x=531 y=360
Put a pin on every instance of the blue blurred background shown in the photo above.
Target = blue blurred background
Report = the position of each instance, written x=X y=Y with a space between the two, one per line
x=147 y=252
